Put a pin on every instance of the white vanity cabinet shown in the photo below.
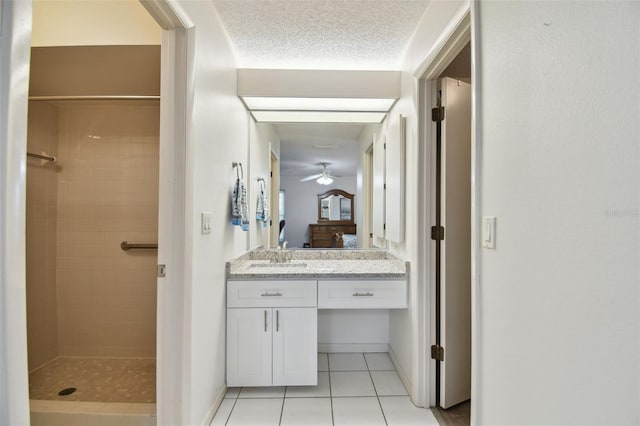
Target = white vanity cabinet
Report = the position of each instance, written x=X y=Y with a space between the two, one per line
x=272 y=333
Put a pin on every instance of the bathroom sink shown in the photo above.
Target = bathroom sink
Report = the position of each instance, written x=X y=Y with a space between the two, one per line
x=278 y=265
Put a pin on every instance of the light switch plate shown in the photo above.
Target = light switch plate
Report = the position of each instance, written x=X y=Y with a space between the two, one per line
x=206 y=222
x=489 y=232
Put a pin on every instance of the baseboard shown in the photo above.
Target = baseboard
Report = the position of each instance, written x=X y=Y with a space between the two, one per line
x=404 y=377
x=211 y=412
x=352 y=347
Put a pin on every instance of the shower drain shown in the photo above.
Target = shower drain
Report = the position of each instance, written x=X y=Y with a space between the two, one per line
x=67 y=391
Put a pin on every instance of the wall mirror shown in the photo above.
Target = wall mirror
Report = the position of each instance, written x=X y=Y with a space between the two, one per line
x=335 y=206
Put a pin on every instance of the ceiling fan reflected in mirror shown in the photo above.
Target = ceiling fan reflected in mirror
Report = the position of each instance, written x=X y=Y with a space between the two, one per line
x=323 y=178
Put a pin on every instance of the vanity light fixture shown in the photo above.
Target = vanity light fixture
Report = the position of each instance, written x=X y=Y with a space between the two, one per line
x=324 y=180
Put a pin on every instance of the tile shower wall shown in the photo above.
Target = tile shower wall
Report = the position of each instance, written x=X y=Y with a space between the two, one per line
x=42 y=198
x=107 y=193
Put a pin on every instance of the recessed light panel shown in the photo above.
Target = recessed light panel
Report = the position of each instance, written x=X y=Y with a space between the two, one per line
x=318 y=116
x=318 y=104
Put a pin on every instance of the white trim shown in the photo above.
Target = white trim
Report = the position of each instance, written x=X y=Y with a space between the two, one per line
x=15 y=25
x=476 y=209
x=352 y=347
x=404 y=377
x=168 y=14
x=213 y=408
x=173 y=386
x=450 y=42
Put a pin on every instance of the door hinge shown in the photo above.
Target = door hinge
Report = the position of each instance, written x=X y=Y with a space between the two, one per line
x=384 y=226
x=437 y=352
x=384 y=145
x=437 y=114
x=384 y=186
x=162 y=271
x=437 y=233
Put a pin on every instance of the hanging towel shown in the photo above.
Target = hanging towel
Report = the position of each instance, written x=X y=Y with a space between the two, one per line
x=239 y=207
x=262 y=209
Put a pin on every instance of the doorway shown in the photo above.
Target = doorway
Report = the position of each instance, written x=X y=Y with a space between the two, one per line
x=176 y=60
x=451 y=235
x=92 y=227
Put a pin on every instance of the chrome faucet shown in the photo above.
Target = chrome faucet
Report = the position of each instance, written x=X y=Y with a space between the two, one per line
x=281 y=254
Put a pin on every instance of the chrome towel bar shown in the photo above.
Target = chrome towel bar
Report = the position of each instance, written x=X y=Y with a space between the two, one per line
x=126 y=245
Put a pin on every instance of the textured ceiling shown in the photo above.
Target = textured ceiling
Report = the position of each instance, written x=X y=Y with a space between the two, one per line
x=320 y=34
x=304 y=146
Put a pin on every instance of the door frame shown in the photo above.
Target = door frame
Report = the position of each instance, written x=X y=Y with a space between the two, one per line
x=450 y=42
x=175 y=136
x=175 y=199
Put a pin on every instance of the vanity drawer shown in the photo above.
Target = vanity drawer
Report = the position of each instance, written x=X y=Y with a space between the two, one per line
x=289 y=293
x=362 y=294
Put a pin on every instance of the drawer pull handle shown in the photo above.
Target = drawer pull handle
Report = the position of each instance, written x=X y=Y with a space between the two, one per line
x=356 y=294
x=267 y=294
x=265 y=320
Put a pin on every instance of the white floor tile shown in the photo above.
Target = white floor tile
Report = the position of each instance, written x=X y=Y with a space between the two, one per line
x=400 y=411
x=347 y=362
x=223 y=412
x=321 y=390
x=262 y=392
x=388 y=383
x=252 y=412
x=306 y=411
x=357 y=411
x=323 y=362
x=232 y=393
x=379 y=361
x=351 y=383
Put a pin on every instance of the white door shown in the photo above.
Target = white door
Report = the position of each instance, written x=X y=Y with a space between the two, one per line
x=249 y=346
x=455 y=315
x=295 y=346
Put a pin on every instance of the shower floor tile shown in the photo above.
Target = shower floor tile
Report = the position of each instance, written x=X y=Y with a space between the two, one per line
x=96 y=380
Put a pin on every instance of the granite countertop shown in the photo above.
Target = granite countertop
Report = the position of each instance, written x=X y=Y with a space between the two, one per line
x=347 y=264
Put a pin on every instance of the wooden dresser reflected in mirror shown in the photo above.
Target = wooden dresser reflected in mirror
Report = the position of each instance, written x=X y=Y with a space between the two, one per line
x=335 y=220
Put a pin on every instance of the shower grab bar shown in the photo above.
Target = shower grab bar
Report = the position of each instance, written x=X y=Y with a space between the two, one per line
x=126 y=245
x=42 y=156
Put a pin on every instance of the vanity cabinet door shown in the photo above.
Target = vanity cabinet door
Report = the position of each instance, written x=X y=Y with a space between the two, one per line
x=249 y=347
x=295 y=357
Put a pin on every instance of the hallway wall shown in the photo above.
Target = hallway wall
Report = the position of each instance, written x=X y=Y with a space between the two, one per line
x=559 y=320
x=218 y=136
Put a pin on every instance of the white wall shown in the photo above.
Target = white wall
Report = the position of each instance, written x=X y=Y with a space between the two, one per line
x=405 y=340
x=220 y=136
x=559 y=311
x=301 y=204
x=262 y=137
x=95 y=22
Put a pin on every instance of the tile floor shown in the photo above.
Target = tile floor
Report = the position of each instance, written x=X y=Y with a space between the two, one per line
x=353 y=389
